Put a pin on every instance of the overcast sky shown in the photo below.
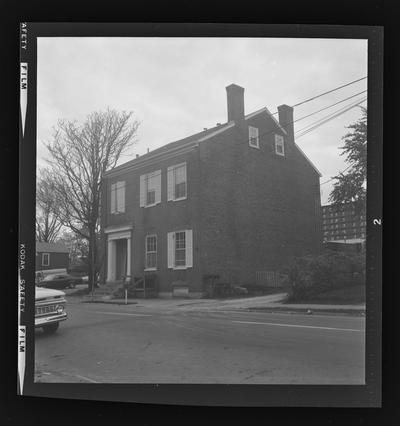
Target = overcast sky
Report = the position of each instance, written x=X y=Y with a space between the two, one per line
x=176 y=86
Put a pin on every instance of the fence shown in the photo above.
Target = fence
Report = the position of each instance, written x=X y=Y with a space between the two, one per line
x=268 y=279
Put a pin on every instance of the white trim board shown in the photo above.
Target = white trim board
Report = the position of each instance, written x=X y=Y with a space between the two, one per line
x=122 y=228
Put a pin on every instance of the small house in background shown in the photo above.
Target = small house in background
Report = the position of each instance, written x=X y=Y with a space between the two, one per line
x=51 y=257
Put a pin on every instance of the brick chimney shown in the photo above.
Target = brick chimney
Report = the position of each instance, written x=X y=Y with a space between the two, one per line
x=286 y=121
x=235 y=98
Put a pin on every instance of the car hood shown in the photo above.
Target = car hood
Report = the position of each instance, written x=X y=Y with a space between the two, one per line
x=47 y=292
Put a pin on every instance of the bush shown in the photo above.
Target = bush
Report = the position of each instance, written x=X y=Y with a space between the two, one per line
x=119 y=292
x=314 y=274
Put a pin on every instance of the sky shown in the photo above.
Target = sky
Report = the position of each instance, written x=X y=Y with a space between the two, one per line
x=175 y=87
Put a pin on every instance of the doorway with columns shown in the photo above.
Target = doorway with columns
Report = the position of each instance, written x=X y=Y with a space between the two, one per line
x=119 y=243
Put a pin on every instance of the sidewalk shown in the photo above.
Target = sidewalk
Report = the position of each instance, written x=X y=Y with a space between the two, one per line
x=269 y=303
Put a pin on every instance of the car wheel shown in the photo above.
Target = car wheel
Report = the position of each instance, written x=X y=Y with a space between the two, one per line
x=51 y=328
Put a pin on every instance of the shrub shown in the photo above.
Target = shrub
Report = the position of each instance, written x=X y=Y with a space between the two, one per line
x=314 y=274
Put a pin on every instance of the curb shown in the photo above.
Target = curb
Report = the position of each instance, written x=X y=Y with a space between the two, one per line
x=111 y=301
x=310 y=311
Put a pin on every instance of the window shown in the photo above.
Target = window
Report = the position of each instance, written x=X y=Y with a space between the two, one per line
x=150 y=189
x=118 y=197
x=151 y=252
x=253 y=137
x=177 y=182
x=45 y=259
x=279 y=145
x=180 y=249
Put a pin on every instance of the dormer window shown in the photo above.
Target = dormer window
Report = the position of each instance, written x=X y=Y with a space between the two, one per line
x=253 y=137
x=279 y=145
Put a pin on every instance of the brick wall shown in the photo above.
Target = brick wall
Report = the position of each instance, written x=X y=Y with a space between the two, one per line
x=258 y=210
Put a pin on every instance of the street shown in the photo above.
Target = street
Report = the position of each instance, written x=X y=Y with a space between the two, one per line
x=105 y=343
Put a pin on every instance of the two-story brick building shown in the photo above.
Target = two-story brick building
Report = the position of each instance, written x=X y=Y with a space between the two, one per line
x=236 y=200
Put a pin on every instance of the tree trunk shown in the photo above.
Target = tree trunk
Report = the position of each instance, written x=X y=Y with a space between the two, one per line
x=92 y=260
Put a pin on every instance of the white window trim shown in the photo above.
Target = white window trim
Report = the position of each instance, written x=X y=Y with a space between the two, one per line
x=154 y=268
x=188 y=250
x=279 y=141
x=48 y=258
x=257 y=146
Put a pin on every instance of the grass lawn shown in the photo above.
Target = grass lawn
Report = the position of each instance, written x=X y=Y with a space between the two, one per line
x=344 y=296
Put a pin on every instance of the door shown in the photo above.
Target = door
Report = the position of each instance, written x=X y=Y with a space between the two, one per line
x=121 y=258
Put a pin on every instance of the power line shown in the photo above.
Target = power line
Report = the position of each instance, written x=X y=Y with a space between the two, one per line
x=330 y=106
x=329 y=91
x=328 y=118
x=306 y=116
x=330 y=180
x=333 y=114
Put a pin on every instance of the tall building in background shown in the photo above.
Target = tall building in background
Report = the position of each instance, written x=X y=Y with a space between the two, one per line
x=341 y=223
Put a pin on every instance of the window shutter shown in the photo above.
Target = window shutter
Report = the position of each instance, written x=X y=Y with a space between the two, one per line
x=113 y=199
x=185 y=176
x=189 y=248
x=171 y=249
x=157 y=183
x=170 y=183
x=121 y=197
x=142 y=191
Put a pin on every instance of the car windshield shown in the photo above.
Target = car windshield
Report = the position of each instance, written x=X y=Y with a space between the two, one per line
x=49 y=277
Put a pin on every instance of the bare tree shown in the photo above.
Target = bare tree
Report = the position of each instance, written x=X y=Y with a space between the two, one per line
x=48 y=224
x=77 y=246
x=79 y=157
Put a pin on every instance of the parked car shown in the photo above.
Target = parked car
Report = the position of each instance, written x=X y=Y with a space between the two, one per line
x=239 y=290
x=50 y=309
x=60 y=281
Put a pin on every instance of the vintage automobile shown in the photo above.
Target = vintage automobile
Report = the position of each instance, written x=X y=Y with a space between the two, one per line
x=49 y=309
x=58 y=281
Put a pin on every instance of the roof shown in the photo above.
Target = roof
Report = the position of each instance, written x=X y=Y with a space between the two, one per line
x=51 y=247
x=200 y=137
x=197 y=137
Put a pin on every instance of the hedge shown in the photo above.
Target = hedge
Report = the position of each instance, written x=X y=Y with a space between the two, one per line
x=314 y=274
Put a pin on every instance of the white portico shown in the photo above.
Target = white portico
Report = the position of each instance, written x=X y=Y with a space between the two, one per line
x=119 y=255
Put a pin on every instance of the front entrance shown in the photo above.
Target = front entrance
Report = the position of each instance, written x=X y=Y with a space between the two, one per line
x=118 y=255
x=121 y=258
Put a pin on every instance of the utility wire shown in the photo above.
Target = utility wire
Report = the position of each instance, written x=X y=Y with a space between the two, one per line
x=327 y=118
x=329 y=91
x=330 y=180
x=332 y=114
x=306 y=116
x=330 y=106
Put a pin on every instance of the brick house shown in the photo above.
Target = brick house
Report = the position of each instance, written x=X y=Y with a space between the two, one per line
x=237 y=200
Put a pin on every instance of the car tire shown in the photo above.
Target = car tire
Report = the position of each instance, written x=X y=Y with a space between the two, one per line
x=51 y=328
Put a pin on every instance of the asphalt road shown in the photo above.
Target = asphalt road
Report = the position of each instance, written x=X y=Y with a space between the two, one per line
x=103 y=343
